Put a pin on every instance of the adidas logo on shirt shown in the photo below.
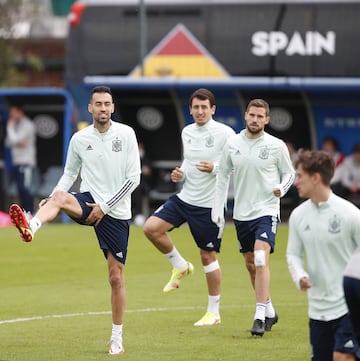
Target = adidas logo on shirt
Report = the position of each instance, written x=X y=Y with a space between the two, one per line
x=307 y=228
x=89 y=147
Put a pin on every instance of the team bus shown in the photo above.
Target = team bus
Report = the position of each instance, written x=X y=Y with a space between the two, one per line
x=301 y=56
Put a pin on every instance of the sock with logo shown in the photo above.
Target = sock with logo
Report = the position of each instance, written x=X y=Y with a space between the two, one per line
x=35 y=224
x=260 y=311
x=116 y=332
x=176 y=259
x=213 y=304
x=269 y=310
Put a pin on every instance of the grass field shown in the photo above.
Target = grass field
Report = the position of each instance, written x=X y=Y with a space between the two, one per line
x=54 y=302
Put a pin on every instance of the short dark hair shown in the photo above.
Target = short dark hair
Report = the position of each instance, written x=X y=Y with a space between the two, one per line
x=356 y=148
x=18 y=107
x=333 y=141
x=101 y=89
x=317 y=161
x=259 y=103
x=203 y=94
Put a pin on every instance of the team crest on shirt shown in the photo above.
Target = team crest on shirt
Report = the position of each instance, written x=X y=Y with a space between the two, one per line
x=116 y=145
x=334 y=225
x=209 y=141
x=264 y=153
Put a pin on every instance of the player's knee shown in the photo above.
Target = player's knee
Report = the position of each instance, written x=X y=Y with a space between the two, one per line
x=155 y=229
x=211 y=267
x=115 y=281
x=207 y=257
x=60 y=198
x=259 y=258
x=250 y=267
x=148 y=229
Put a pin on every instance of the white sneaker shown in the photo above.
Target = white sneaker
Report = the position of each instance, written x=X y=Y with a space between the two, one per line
x=116 y=347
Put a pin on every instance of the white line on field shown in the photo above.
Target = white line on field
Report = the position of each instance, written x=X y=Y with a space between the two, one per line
x=93 y=313
x=97 y=313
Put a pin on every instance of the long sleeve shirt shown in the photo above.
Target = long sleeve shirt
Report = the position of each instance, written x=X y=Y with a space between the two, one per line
x=201 y=143
x=350 y=172
x=109 y=167
x=259 y=165
x=326 y=235
x=21 y=138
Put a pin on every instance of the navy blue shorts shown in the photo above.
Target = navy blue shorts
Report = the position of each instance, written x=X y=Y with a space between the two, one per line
x=327 y=337
x=352 y=297
x=263 y=229
x=206 y=233
x=112 y=233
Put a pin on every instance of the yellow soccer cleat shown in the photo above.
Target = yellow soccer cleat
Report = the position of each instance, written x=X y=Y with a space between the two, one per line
x=177 y=275
x=209 y=319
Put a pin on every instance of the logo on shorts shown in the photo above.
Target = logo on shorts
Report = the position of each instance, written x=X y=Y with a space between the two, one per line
x=334 y=225
x=210 y=245
x=349 y=344
x=119 y=254
x=117 y=145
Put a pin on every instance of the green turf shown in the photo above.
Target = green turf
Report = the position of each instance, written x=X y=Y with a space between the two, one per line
x=54 y=302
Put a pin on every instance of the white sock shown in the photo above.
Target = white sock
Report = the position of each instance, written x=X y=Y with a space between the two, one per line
x=269 y=310
x=213 y=304
x=176 y=259
x=116 y=333
x=35 y=224
x=260 y=311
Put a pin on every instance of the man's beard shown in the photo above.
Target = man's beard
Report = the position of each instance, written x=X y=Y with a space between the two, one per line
x=102 y=121
x=254 y=132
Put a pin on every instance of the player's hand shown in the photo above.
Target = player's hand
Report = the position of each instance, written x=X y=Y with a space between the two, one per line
x=95 y=216
x=305 y=284
x=205 y=166
x=277 y=192
x=44 y=201
x=217 y=218
x=177 y=175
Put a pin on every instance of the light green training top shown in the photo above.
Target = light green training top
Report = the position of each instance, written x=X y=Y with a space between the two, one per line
x=258 y=166
x=202 y=143
x=328 y=234
x=108 y=164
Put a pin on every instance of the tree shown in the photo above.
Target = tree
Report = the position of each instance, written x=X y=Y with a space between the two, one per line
x=14 y=13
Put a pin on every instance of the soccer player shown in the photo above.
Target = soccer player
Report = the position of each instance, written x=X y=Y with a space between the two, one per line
x=21 y=139
x=106 y=156
x=352 y=291
x=325 y=229
x=202 y=143
x=263 y=172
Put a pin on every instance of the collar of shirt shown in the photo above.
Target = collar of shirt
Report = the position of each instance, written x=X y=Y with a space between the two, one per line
x=206 y=125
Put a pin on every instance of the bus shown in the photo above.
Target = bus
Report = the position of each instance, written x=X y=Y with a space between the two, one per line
x=301 y=56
